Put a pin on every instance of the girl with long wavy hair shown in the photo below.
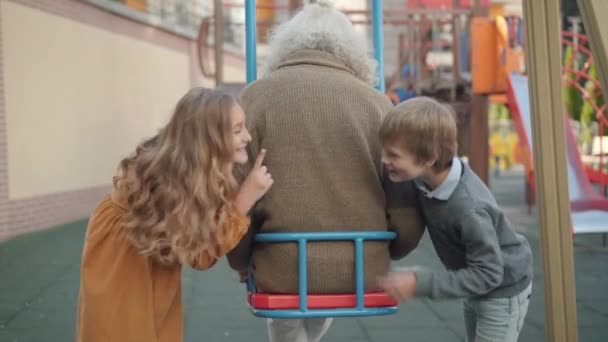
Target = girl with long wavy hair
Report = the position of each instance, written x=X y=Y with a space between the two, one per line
x=174 y=202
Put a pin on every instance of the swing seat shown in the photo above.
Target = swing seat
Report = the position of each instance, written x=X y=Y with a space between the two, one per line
x=305 y=305
x=319 y=301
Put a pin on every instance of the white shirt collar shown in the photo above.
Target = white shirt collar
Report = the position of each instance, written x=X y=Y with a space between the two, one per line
x=445 y=189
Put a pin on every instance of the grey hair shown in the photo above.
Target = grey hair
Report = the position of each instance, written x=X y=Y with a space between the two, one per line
x=320 y=26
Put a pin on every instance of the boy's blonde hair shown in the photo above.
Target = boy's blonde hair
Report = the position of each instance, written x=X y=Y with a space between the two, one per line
x=425 y=128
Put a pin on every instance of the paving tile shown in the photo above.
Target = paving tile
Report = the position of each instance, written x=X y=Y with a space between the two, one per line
x=40 y=279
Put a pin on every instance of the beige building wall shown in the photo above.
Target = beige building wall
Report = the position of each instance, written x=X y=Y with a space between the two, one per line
x=79 y=88
x=79 y=99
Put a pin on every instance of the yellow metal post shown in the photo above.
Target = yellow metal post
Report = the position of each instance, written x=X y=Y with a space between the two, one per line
x=543 y=59
x=593 y=12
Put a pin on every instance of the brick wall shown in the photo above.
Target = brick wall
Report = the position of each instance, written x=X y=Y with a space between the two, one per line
x=40 y=212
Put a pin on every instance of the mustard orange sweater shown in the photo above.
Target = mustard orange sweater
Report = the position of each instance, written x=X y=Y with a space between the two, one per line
x=125 y=296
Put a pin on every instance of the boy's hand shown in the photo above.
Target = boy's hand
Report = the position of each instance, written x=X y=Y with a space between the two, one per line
x=399 y=285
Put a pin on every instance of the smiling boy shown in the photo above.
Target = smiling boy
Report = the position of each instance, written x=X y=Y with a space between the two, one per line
x=487 y=263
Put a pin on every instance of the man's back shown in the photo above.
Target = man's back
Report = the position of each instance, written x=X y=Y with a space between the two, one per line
x=319 y=125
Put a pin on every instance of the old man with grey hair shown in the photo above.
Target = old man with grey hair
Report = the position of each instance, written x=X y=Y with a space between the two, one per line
x=317 y=114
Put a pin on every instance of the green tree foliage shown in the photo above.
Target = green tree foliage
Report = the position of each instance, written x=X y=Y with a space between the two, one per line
x=572 y=96
x=588 y=114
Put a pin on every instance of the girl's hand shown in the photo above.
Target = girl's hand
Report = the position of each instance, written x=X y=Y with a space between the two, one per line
x=257 y=183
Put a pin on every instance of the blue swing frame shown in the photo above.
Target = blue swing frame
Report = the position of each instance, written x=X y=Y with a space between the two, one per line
x=302 y=239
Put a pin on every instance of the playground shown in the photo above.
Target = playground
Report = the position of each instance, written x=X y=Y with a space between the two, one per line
x=470 y=54
x=42 y=306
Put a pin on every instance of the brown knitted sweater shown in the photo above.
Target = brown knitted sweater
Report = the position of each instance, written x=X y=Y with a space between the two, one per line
x=319 y=125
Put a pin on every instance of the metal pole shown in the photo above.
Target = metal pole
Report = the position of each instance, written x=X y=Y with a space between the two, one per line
x=303 y=274
x=377 y=24
x=218 y=44
x=401 y=47
x=544 y=64
x=456 y=50
x=250 y=42
x=575 y=28
x=412 y=47
x=359 y=274
x=434 y=44
x=419 y=50
x=593 y=13
x=479 y=135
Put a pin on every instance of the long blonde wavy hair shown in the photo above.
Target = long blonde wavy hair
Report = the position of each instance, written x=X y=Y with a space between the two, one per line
x=179 y=184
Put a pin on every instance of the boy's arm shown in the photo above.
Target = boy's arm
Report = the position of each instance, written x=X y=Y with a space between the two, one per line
x=404 y=217
x=484 y=265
